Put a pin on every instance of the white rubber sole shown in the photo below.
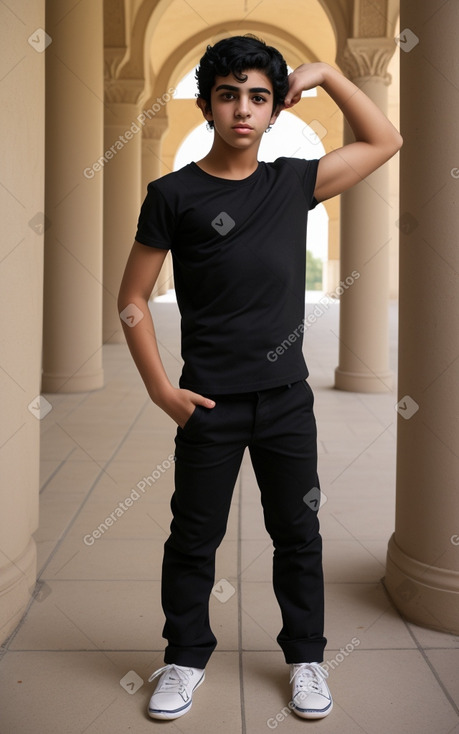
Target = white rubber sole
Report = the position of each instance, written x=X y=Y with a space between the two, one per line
x=168 y=715
x=313 y=714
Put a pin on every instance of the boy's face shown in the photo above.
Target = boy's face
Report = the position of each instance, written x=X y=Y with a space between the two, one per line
x=241 y=111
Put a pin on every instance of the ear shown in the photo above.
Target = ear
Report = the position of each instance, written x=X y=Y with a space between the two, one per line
x=205 y=109
x=276 y=114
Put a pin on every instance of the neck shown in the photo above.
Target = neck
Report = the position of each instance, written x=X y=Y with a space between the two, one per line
x=227 y=162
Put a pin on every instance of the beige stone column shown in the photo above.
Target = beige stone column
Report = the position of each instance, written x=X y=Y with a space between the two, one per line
x=422 y=575
x=365 y=216
x=72 y=339
x=122 y=191
x=21 y=286
x=331 y=273
x=152 y=137
x=153 y=134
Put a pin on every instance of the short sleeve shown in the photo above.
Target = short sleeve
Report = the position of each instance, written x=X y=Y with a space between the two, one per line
x=156 y=223
x=307 y=172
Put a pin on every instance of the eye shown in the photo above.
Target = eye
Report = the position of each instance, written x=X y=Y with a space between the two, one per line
x=227 y=96
x=258 y=98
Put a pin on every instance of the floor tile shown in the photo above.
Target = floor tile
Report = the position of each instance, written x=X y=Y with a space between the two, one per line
x=428 y=638
x=101 y=558
x=71 y=481
x=371 y=691
x=349 y=560
x=446 y=666
x=93 y=678
x=365 y=612
x=260 y=616
x=141 y=520
x=94 y=615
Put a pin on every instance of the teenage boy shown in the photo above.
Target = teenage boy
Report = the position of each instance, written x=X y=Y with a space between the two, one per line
x=237 y=231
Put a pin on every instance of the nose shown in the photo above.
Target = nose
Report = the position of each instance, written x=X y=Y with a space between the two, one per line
x=242 y=109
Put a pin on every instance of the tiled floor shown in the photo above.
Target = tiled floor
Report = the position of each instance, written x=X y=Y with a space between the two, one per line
x=95 y=618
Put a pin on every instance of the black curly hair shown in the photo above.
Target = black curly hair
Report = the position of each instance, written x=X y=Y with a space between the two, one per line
x=237 y=54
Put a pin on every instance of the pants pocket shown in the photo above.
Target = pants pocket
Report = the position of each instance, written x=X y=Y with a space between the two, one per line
x=191 y=420
x=308 y=389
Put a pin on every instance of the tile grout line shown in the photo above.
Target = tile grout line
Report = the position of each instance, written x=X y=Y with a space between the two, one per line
x=55 y=472
x=44 y=429
x=432 y=669
x=11 y=638
x=421 y=650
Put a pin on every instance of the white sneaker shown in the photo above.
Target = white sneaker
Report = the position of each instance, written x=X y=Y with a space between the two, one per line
x=311 y=697
x=173 y=695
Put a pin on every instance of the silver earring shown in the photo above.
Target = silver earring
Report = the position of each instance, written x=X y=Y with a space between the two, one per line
x=209 y=127
x=268 y=129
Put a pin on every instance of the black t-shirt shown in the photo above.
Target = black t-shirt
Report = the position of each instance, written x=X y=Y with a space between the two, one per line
x=239 y=257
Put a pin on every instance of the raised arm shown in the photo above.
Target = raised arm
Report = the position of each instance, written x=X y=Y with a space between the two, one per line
x=376 y=139
x=141 y=273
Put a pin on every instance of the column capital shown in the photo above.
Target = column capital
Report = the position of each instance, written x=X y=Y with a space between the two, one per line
x=367 y=58
x=155 y=129
x=117 y=89
x=123 y=90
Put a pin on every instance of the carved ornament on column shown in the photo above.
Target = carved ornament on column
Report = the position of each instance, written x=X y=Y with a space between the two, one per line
x=367 y=58
x=115 y=89
x=113 y=56
x=154 y=129
x=128 y=91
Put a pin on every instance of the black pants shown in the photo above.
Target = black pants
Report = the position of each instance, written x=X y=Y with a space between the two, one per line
x=279 y=429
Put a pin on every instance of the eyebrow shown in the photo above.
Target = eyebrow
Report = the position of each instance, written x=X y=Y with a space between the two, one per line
x=233 y=88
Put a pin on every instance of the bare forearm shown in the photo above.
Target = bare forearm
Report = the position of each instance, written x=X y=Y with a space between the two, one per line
x=376 y=139
x=141 y=273
x=367 y=121
x=143 y=345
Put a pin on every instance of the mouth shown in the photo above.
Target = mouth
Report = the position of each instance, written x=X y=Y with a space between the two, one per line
x=242 y=128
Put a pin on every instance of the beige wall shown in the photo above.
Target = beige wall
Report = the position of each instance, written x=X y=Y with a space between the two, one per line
x=21 y=279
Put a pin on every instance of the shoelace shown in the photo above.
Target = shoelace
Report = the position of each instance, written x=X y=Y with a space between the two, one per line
x=309 y=676
x=181 y=676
